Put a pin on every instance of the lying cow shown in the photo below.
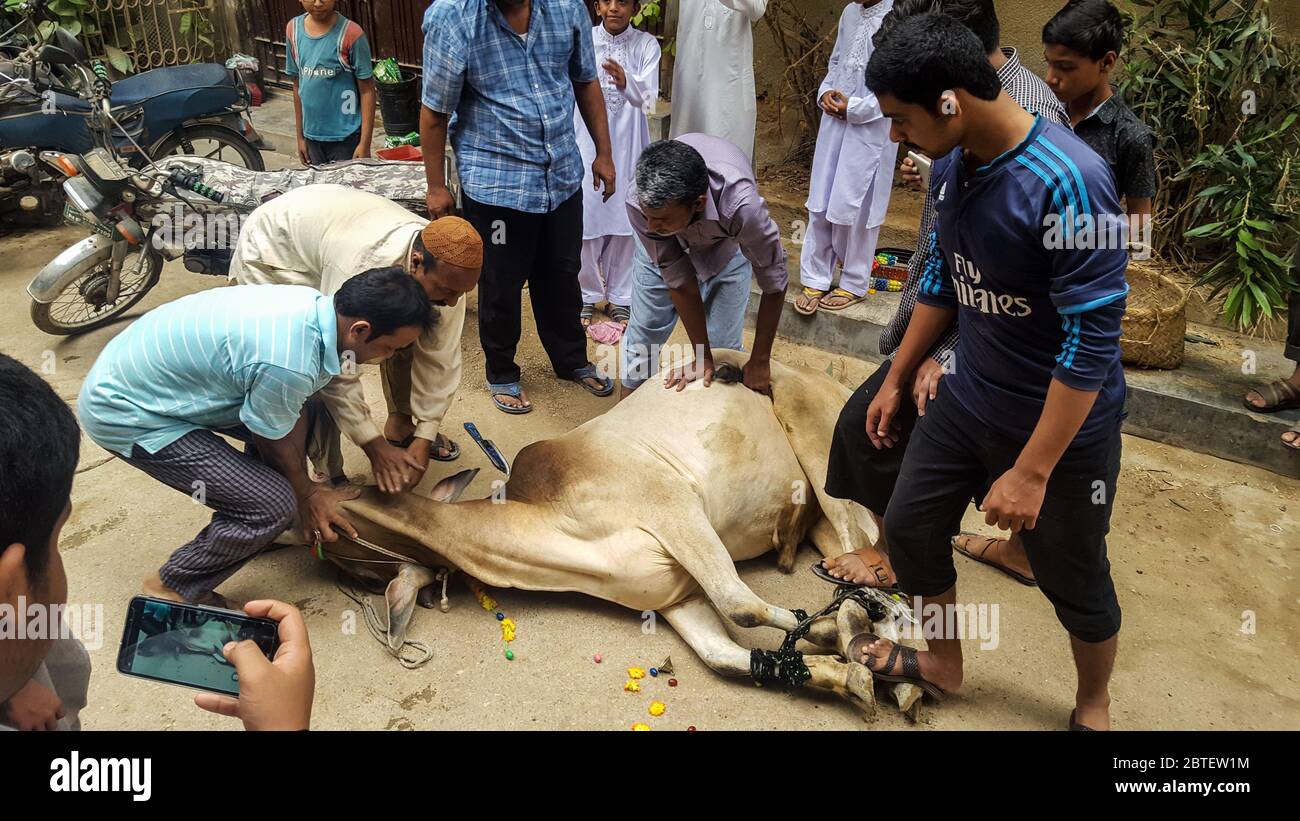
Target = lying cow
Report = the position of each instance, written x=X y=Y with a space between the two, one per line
x=706 y=477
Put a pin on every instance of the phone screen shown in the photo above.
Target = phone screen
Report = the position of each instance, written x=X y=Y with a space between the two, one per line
x=181 y=643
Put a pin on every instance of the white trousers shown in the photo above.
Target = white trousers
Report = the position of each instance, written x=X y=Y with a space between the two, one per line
x=606 y=272
x=825 y=243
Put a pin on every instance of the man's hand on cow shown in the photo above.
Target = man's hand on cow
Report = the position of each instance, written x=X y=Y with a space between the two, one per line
x=603 y=173
x=911 y=174
x=319 y=512
x=417 y=458
x=389 y=464
x=882 y=425
x=758 y=375
x=925 y=385
x=683 y=375
x=616 y=73
x=440 y=202
x=273 y=695
x=1014 y=500
x=34 y=707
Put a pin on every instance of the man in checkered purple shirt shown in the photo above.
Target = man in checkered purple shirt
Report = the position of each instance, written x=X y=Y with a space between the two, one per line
x=858 y=471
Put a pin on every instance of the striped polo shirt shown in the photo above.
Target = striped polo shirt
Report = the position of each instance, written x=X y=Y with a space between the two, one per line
x=1023 y=249
x=249 y=355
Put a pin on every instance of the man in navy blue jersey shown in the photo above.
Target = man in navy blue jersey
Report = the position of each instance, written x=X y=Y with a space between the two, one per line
x=1027 y=253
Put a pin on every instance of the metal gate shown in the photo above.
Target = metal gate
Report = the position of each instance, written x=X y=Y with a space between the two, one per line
x=137 y=35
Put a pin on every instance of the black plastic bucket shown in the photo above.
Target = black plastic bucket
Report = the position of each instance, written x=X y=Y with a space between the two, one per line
x=399 y=104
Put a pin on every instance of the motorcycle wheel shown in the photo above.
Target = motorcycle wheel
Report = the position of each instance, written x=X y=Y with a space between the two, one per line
x=213 y=142
x=81 y=307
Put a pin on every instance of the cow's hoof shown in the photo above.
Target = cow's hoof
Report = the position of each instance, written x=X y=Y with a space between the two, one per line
x=858 y=689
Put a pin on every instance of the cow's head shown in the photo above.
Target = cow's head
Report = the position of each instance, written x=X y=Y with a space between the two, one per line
x=415 y=582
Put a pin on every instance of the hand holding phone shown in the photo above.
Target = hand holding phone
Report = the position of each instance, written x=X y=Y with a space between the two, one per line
x=275 y=694
x=256 y=667
x=916 y=171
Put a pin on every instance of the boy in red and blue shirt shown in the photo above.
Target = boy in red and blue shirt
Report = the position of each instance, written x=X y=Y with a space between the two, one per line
x=328 y=57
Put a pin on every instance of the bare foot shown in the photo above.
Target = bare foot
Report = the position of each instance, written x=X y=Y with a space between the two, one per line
x=944 y=675
x=865 y=566
x=153 y=586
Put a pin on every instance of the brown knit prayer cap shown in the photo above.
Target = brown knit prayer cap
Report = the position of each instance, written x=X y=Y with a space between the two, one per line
x=454 y=240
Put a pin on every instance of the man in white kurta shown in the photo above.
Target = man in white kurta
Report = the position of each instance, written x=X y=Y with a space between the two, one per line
x=322 y=236
x=713 y=76
x=628 y=71
x=853 y=170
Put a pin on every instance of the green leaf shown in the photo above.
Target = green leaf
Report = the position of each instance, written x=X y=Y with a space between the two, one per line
x=187 y=22
x=1214 y=189
x=118 y=59
x=1203 y=230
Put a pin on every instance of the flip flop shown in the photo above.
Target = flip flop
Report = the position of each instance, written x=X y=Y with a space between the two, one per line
x=510 y=389
x=825 y=575
x=1278 y=395
x=589 y=372
x=812 y=297
x=587 y=314
x=1076 y=726
x=453 y=449
x=911 y=667
x=849 y=298
x=619 y=313
x=989 y=540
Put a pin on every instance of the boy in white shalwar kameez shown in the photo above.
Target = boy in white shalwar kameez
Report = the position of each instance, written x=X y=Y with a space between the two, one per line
x=629 y=77
x=852 y=173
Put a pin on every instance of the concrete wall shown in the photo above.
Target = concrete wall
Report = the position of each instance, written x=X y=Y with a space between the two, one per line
x=1022 y=25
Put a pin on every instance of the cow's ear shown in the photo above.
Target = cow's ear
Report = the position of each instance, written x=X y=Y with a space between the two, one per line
x=449 y=489
x=400 y=599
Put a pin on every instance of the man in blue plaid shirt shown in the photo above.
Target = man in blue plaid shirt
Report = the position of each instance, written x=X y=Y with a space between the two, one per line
x=503 y=77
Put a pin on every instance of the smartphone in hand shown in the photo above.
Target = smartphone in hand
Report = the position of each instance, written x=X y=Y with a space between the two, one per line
x=182 y=644
x=922 y=164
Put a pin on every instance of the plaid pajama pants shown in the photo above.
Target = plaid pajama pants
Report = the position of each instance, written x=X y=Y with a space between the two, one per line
x=253 y=504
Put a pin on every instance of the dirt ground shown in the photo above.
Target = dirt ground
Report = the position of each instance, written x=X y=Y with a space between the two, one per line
x=1198 y=547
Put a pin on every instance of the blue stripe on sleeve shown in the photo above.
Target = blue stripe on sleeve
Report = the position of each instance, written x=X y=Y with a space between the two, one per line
x=1094 y=303
x=1074 y=170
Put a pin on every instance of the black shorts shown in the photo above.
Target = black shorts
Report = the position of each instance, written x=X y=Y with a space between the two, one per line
x=855 y=469
x=951 y=458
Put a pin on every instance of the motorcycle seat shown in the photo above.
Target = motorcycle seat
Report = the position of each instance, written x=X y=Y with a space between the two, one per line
x=138 y=88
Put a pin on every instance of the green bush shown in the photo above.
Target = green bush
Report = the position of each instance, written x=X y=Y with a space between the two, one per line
x=1222 y=92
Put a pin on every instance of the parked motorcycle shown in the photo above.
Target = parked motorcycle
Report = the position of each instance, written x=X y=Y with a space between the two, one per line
x=194 y=110
x=176 y=207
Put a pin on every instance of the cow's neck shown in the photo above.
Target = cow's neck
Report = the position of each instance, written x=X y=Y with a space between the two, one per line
x=505 y=544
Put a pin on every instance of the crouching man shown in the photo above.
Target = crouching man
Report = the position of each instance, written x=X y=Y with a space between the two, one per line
x=321 y=236
x=244 y=362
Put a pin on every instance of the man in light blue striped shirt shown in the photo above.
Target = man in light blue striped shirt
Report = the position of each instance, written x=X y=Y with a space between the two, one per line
x=243 y=361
